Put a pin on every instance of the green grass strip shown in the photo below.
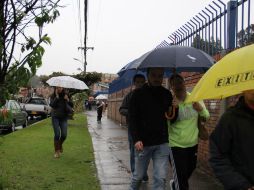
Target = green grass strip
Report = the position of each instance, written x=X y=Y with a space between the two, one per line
x=27 y=162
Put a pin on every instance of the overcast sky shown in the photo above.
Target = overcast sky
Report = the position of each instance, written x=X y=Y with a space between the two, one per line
x=119 y=31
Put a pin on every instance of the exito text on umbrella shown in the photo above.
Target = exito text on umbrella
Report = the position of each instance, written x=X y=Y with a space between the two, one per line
x=234 y=79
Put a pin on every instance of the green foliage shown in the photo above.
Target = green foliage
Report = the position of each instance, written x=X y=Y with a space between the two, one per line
x=211 y=47
x=44 y=78
x=4 y=95
x=243 y=38
x=19 y=76
x=46 y=18
x=78 y=101
x=90 y=77
x=5 y=116
x=46 y=39
x=14 y=37
x=56 y=74
x=34 y=60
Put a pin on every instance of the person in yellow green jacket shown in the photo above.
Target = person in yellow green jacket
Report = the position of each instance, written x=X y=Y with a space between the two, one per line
x=183 y=131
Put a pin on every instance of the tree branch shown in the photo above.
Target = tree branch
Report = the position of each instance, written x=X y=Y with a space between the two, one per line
x=24 y=60
x=28 y=9
x=14 y=37
x=4 y=55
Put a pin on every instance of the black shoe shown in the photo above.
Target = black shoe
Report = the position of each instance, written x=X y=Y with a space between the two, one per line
x=145 y=178
x=172 y=184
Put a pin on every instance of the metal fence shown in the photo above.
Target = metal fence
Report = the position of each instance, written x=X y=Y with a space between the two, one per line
x=217 y=27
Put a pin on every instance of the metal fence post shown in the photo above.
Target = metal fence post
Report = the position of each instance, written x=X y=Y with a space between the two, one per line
x=192 y=33
x=209 y=31
x=231 y=24
x=188 y=34
x=172 y=39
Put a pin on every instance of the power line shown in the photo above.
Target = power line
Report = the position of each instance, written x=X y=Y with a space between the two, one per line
x=97 y=22
x=85 y=34
x=80 y=25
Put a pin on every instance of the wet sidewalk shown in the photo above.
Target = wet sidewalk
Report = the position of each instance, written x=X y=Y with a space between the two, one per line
x=111 y=151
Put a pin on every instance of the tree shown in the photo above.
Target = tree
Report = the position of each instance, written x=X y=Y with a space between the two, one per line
x=90 y=78
x=211 y=47
x=243 y=38
x=20 y=51
x=44 y=78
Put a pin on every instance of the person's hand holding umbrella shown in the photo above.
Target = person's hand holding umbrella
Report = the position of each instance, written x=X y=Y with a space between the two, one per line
x=66 y=97
x=172 y=109
x=197 y=106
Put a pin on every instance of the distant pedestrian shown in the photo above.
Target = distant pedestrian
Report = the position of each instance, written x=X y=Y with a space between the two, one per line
x=86 y=105
x=100 y=106
x=231 y=145
x=149 y=131
x=89 y=105
x=183 y=131
x=60 y=104
x=138 y=82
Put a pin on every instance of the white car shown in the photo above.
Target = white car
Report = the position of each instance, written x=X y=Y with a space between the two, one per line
x=37 y=106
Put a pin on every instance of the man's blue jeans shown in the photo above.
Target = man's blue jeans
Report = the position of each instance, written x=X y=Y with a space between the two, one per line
x=159 y=154
x=60 y=128
x=132 y=152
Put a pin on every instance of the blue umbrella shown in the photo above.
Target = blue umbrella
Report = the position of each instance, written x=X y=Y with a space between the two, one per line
x=132 y=65
x=124 y=81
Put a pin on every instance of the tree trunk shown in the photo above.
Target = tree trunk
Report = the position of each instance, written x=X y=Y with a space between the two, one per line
x=3 y=89
x=3 y=94
x=2 y=32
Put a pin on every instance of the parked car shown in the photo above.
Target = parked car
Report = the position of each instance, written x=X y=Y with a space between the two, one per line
x=12 y=115
x=37 y=106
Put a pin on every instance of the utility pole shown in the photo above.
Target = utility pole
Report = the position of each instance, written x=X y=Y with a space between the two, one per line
x=85 y=49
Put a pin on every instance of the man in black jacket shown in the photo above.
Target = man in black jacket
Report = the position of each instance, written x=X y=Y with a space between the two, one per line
x=138 y=81
x=149 y=131
x=231 y=145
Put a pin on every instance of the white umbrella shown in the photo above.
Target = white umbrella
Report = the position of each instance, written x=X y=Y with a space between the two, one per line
x=101 y=97
x=67 y=82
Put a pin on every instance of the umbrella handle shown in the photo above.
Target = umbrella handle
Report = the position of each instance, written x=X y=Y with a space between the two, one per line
x=171 y=115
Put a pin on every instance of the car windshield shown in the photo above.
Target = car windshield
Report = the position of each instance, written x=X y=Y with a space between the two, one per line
x=37 y=101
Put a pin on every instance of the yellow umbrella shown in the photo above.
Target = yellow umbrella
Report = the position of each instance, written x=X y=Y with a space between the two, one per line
x=232 y=75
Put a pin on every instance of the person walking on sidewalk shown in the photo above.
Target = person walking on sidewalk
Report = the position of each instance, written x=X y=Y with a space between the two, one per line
x=183 y=131
x=231 y=145
x=100 y=106
x=149 y=131
x=60 y=104
x=138 y=82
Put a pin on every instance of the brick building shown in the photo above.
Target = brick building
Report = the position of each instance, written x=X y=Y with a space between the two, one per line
x=103 y=85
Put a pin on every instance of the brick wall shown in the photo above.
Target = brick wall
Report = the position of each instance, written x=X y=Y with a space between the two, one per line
x=215 y=107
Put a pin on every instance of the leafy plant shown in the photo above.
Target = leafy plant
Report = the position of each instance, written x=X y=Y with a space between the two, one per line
x=6 y=116
x=20 y=50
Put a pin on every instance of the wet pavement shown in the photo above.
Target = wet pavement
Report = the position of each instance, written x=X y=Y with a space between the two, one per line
x=111 y=151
